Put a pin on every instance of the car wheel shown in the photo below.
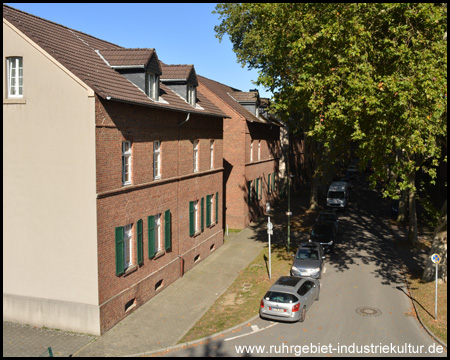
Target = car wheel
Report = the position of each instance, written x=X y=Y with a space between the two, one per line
x=303 y=315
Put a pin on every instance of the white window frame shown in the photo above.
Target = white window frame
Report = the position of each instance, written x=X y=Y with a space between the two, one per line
x=251 y=150
x=211 y=153
x=196 y=216
x=191 y=94
x=158 y=245
x=152 y=85
x=259 y=150
x=128 y=245
x=211 y=200
x=156 y=160
x=126 y=162
x=15 y=77
x=196 y=155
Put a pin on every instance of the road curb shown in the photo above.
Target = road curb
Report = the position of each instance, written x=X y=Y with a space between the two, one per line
x=410 y=294
x=201 y=341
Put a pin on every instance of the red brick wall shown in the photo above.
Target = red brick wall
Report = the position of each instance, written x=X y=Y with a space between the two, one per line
x=119 y=205
x=237 y=135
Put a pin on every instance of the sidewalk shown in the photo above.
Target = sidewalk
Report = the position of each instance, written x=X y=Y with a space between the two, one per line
x=159 y=323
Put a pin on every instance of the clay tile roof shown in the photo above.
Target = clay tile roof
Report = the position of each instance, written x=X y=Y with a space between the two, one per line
x=80 y=54
x=251 y=96
x=230 y=95
x=127 y=57
x=175 y=72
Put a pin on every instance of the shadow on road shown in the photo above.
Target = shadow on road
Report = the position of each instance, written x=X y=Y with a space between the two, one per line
x=364 y=233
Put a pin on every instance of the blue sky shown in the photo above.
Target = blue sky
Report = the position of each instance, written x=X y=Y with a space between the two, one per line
x=180 y=33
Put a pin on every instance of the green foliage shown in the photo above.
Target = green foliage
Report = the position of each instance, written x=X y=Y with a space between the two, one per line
x=372 y=74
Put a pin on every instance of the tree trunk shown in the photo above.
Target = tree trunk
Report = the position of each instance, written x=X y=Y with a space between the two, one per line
x=314 y=195
x=439 y=247
x=412 y=230
x=402 y=207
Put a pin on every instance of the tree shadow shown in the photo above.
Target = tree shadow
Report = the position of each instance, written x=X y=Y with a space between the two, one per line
x=364 y=234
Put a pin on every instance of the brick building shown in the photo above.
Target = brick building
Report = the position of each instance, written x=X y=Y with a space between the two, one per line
x=251 y=151
x=112 y=175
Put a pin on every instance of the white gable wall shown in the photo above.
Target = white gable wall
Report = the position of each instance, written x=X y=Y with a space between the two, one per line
x=50 y=270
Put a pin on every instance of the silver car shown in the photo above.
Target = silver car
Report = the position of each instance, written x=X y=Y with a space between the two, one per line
x=289 y=299
x=308 y=261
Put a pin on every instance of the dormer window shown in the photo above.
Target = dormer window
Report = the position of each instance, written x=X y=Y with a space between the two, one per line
x=191 y=94
x=152 y=86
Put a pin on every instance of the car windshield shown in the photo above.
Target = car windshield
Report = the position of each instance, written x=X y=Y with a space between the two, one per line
x=336 y=195
x=307 y=254
x=280 y=297
x=321 y=231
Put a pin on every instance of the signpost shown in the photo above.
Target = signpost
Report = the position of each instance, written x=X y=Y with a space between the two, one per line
x=436 y=259
x=270 y=232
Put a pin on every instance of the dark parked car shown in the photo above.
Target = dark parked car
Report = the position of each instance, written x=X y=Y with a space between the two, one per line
x=324 y=233
x=329 y=216
x=289 y=299
x=308 y=261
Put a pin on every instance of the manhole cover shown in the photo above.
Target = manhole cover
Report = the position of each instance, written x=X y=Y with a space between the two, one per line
x=368 y=311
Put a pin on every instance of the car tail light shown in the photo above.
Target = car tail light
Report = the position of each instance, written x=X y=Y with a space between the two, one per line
x=262 y=303
x=295 y=308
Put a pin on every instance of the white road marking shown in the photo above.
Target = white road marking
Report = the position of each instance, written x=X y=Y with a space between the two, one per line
x=255 y=330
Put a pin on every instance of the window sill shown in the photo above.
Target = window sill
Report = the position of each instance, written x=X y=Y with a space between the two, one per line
x=130 y=269
x=159 y=254
x=15 y=101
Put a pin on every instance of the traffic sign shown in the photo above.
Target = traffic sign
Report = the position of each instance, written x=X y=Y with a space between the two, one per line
x=435 y=258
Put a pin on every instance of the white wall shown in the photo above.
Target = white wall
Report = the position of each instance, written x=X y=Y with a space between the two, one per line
x=49 y=194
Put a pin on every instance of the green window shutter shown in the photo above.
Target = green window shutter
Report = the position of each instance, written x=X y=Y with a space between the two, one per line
x=217 y=207
x=167 y=230
x=260 y=187
x=208 y=210
x=273 y=182
x=257 y=188
x=191 y=218
x=202 y=220
x=249 y=186
x=120 y=266
x=151 y=237
x=140 y=244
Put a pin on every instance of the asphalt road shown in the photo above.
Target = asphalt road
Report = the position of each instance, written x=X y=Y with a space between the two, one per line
x=363 y=309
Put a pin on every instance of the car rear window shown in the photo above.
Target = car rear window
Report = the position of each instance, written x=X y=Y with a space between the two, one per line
x=279 y=297
x=326 y=217
x=321 y=231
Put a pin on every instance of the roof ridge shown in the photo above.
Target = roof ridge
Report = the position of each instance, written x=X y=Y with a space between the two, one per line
x=57 y=24
x=233 y=88
x=128 y=49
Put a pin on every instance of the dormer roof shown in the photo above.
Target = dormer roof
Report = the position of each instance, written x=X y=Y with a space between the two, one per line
x=235 y=99
x=84 y=56
x=246 y=97
x=178 y=73
x=129 y=58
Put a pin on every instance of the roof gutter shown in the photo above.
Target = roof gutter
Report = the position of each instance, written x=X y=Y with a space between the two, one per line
x=162 y=107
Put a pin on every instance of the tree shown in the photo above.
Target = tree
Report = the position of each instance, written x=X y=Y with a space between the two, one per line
x=371 y=74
